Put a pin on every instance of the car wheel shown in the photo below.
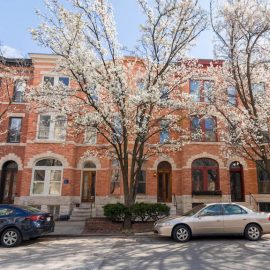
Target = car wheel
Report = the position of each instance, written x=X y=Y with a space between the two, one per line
x=11 y=238
x=181 y=233
x=253 y=232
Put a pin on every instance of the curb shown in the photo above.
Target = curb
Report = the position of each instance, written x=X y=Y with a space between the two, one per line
x=148 y=234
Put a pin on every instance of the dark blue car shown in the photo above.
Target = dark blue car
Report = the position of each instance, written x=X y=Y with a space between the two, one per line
x=18 y=223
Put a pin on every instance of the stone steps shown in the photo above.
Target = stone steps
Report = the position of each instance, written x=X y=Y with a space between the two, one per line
x=82 y=213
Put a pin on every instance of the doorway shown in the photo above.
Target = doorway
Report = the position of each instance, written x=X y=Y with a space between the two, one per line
x=8 y=182
x=164 y=181
x=236 y=182
x=89 y=182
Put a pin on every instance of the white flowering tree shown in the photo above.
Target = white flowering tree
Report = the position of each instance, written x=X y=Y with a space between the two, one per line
x=10 y=72
x=129 y=101
x=240 y=96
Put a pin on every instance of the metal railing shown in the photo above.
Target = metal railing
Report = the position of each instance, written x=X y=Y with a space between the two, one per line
x=254 y=199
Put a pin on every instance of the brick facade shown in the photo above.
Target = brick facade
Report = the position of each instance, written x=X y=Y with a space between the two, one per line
x=70 y=153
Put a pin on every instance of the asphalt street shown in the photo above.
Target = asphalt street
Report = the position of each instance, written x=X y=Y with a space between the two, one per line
x=147 y=252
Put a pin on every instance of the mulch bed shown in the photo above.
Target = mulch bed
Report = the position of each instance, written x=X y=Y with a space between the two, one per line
x=103 y=225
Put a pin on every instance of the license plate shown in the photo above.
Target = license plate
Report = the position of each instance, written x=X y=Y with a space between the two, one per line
x=48 y=218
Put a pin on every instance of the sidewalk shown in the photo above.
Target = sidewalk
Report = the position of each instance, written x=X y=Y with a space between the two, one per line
x=76 y=229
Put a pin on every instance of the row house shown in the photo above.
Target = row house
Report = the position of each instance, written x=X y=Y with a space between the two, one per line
x=42 y=164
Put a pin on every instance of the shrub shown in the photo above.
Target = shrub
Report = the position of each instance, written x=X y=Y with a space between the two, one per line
x=139 y=211
x=116 y=212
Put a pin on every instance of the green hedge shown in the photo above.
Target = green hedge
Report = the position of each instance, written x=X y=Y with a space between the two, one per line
x=138 y=212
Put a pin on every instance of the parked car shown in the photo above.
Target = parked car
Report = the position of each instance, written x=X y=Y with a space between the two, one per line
x=215 y=219
x=18 y=223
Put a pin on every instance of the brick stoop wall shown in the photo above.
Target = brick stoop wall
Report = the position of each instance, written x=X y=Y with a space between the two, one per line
x=103 y=225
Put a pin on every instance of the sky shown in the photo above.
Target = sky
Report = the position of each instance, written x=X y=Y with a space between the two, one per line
x=18 y=16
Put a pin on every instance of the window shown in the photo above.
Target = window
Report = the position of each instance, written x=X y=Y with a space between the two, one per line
x=52 y=127
x=54 y=80
x=164 y=133
x=257 y=88
x=203 y=129
x=195 y=90
x=141 y=184
x=164 y=93
x=232 y=209
x=90 y=135
x=93 y=92
x=19 y=90
x=264 y=207
x=263 y=178
x=47 y=177
x=115 y=179
x=205 y=177
x=117 y=135
x=232 y=96
x=200 y=91
x=140 y=85
x=212 y=210
x=207 y=90
x=5 y=211
x=14 y=131
x=54 y=210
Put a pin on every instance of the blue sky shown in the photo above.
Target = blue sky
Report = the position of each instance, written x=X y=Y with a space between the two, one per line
x=18 y=16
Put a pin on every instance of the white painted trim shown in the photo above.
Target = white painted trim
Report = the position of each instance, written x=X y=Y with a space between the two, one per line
x=164 y=158
x=82 y=161
x=12 y=114
x=221 y=164
x=48 y=154
x=11 y=157
x=239 y=159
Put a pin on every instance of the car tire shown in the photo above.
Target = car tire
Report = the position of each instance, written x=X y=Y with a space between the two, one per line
x=181 y=233
x=11 y=238
x=253 y=232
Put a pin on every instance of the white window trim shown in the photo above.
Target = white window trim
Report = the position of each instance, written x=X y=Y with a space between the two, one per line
x=56 y=78
x=46 y=188
x=85 y=135
x=51 y=129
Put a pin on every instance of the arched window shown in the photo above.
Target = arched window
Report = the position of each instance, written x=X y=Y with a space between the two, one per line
x=47 y=177
x=89 y=165
x=205 y=176
x=19 y=89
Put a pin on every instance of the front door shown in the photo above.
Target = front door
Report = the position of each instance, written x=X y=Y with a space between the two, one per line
x=164 y=179
x=237 y=192
x=8 y=182
x=88 y=187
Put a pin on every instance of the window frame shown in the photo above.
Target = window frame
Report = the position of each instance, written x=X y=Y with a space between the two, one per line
x=15 y=91
x=47 y=178
x=203 y=129
x=55 y=79
x=91 y=129
x=204 y=171
x=52 y=125
x=9 y=130
x=201 y=92
x=141 y=180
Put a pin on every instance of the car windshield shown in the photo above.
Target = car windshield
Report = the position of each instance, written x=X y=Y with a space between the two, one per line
x=194 y=210
x=30 y=209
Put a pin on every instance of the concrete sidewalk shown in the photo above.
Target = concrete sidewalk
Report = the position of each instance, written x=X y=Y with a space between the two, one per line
x=68 y=228
x=76 y=229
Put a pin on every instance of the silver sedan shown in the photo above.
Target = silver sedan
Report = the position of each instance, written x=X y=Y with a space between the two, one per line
x=215 y=219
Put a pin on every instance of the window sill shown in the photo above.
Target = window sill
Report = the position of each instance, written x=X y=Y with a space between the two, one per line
x=48 y=141
x=207 y=193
